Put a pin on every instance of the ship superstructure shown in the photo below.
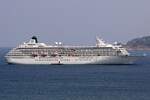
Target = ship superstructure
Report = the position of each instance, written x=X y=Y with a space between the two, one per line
x=33 y=52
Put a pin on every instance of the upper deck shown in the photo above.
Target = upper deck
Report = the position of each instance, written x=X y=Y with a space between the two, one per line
x=101 y=49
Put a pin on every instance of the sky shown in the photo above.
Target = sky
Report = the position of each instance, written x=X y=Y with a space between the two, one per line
x=73 y=21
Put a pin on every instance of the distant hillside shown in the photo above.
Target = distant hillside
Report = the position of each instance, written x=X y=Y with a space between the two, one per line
x=142 y=43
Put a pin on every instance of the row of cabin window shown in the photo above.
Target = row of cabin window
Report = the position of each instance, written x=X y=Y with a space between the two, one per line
x=98 y=51
x=66 y=53
x=67 y=50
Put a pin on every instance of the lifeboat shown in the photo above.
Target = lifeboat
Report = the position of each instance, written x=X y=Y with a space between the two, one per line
x=53 y=55
x=34 y=55
x=43 y=55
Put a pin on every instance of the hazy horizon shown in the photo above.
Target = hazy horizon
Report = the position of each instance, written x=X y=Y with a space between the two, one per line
x=73 y=21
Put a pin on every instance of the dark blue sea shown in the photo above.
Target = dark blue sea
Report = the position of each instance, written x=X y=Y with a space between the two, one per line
x=75 y=82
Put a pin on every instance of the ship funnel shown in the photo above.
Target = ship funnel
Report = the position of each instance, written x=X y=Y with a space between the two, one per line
x=35 y=38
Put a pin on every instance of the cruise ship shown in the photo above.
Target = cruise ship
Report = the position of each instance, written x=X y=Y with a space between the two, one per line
x=33 y=52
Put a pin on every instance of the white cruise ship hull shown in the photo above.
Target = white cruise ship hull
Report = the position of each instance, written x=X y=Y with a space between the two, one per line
x=73 y=60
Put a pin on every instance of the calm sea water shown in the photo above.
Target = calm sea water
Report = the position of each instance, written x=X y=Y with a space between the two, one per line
x=75 y=82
